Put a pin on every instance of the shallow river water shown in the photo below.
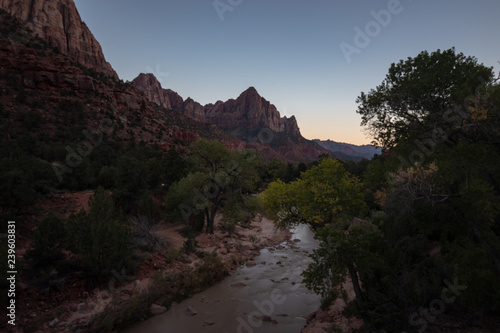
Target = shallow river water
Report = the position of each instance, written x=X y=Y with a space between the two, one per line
x=240 y=302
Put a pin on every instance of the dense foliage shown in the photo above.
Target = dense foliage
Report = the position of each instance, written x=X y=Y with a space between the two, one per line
x=427 y=95
x=323 y=194
x=427 y=250
x=221 y=180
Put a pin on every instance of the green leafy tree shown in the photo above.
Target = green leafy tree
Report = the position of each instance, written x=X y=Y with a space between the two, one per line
x=22 y=179
x=354 y=253
x=219 y=175
x=323 y=194
x=131 y=181
x=441 y=215
x=427 y=95
x=107 y=177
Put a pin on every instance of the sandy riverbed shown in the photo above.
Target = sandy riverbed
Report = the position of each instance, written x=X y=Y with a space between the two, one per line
x=245 y=244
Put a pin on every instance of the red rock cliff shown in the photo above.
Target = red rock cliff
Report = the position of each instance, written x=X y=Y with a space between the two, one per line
x=151 y=87
x=249 y=110
x=59 y=24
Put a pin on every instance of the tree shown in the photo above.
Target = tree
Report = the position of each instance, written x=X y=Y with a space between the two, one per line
x=22 y=179
x=219 y=175
x=130 y=181
x=441 y=213
x=101 y=239
x=323 y=194
x=353 y=252
x=107 y=177
x=423 y=96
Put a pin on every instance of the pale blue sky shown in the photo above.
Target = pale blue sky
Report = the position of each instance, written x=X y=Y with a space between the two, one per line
x=288 y=50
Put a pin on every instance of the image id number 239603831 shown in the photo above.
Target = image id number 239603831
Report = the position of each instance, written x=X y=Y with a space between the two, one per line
x=11 y=272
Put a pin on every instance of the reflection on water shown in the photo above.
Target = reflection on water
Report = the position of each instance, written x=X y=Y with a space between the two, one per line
x=268 y=297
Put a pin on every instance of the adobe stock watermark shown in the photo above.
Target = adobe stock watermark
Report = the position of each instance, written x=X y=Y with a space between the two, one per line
x=158 y=73
x=84 y=148
x=223 y=6
x=372 y=29
x=436 y=306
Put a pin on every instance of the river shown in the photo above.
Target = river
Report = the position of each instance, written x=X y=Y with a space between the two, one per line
x=267 y=297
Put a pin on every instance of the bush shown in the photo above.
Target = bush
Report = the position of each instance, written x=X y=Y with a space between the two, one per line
x=101 y=238
x=3 y=112
x=211 y=271
x=16 y=190
x=48 y=240
x=107 y=177
x=148 y=208
x=190 y=245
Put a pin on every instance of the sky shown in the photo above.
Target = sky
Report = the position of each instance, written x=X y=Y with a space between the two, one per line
x=310 y=58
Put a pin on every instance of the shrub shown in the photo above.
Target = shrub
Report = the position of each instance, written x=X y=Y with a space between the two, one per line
x=107 y=177
x=101 y=238
x=190 y=245
x=48 y=241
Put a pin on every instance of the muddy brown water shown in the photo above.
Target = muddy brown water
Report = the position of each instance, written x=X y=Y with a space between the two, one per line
x=267 y=297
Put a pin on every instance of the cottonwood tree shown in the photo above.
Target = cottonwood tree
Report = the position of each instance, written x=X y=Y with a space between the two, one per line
x=326 y=195
x=343 y=253
x=442 y=213
x=323 y=194
x=219 y=176
x=425 y=96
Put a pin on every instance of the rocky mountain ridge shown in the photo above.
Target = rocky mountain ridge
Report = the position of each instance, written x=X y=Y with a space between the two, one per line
x=250 y=120
x=59 y=24
x=351 y=151
x=249 y=110
x=249 y=117
x=44 y=91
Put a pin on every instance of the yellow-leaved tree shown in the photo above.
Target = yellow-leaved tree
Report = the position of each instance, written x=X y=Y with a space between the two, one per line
x=323 y=194
x=327 y=196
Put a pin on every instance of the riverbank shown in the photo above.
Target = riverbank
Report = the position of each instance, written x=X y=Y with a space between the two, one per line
x=332 y=317
x=266 y=295
x=129 y=295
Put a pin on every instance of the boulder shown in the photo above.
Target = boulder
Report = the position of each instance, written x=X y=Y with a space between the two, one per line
x=157 y=309
x=190 y=311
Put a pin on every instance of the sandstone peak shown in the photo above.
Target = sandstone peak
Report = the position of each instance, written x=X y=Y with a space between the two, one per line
x=249 y=111
x=251 y=90
x=148 y=79
x=152 y=89
x=59 y=24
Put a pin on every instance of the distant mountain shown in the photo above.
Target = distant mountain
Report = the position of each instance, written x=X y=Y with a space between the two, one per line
x=349 y=151
x=249 y=117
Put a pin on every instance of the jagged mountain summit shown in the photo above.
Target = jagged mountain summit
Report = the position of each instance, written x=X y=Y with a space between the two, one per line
x=249 y=110
x=249 y=117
